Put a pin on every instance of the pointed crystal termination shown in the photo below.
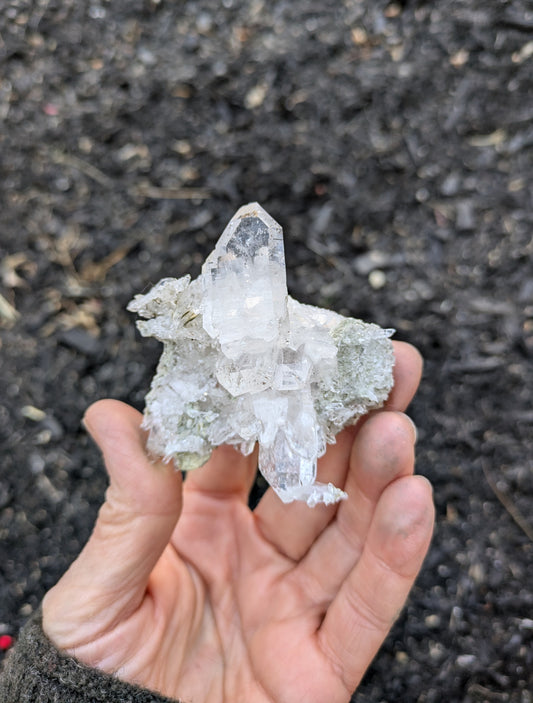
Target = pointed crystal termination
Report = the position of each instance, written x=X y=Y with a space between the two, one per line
x=244 y=303
x=243 y=363
x=244 y=285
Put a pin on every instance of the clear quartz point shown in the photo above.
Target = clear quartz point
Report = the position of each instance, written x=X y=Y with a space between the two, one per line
x=243 y=362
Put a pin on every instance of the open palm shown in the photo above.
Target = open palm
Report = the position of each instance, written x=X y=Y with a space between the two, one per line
x=182 y=589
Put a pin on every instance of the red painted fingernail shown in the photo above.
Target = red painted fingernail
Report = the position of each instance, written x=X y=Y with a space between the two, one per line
x=6 y=641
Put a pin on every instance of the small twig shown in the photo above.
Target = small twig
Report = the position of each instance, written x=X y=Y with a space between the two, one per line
x=80 y=165
x=178 y=193
x=97 y=270
x=515 y=21
x=35 y=19
x=511 y=508
x=487 y=694
x=7 y=312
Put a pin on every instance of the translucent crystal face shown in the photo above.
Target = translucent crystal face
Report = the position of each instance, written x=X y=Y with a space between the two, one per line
x=244 y=287
x=245 y=363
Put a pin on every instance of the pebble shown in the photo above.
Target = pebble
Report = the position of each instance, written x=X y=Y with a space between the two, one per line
x=526 y=624
x=436 y=650
x=370 y=261
x=36 y=463
x=80 y=340
x=53 y=427
x=465 y=218
x=451 y=184
x=32 y=413
x=433 y=620
x=465 y=661
x=377 y=279
x=146 y=57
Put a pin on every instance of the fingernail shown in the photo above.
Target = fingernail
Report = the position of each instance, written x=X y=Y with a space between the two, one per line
x=85 y=425
x=415 y=429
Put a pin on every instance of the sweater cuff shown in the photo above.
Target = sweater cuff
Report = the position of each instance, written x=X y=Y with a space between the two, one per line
x=36 y=672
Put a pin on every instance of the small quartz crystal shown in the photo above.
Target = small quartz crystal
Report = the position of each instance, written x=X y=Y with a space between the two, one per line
x=244 y=363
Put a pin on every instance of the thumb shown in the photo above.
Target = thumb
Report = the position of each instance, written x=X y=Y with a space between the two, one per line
x=107 y=582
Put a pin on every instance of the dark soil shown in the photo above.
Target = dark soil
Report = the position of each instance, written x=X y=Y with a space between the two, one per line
x=394 y=144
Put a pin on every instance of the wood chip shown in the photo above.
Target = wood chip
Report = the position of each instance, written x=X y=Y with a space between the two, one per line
x=8 y=314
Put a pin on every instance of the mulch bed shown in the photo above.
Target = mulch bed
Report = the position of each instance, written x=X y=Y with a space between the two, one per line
x=393 y=141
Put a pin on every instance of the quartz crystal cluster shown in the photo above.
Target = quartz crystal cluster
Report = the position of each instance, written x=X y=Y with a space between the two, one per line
x=244 y=363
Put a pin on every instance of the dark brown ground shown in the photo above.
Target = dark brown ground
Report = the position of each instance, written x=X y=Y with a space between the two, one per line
x=383 y=137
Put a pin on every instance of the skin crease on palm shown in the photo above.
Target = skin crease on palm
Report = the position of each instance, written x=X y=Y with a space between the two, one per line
x=183 y=590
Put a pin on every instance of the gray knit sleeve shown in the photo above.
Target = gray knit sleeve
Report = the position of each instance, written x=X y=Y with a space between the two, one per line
x=36 y=672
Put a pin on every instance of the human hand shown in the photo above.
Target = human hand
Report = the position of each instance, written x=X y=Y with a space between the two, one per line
x=183 y=590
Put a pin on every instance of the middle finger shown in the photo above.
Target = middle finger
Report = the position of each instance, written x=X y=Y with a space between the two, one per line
x=383 y=451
